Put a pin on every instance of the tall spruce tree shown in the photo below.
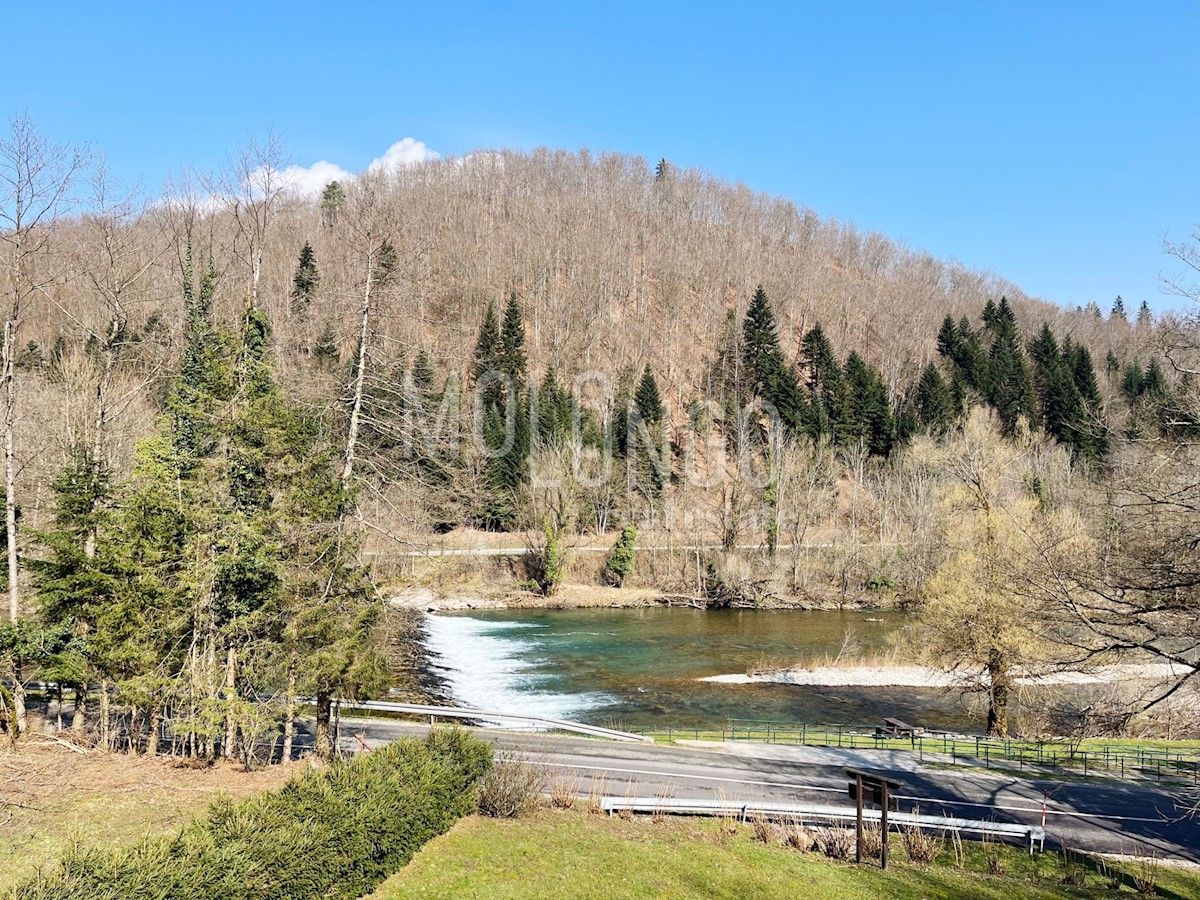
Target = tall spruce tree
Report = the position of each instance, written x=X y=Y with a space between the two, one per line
x=934 y=400
x=649 y=467
x=767 y=373
x=866 y=414
x=824 y=383
x=1011 y=390
x=305 y=280
x=486 y=369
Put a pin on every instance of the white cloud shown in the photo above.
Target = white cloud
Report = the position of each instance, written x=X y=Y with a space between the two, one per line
x=306 y=181
x=402 y=154
x=309 y=181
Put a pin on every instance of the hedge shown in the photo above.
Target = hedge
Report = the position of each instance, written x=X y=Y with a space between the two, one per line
x=333 y=833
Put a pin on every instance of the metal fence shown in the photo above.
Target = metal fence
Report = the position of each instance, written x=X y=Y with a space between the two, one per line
x=986 y=751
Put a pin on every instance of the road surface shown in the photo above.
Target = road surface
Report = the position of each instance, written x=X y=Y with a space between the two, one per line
x=1099 y=816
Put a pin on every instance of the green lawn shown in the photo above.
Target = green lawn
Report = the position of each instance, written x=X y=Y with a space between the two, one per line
x=557 y=854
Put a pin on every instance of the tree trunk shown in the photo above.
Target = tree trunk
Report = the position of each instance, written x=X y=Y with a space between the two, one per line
x=101 y=420
x=360 y=374
x=155 y=721
x=997 y=718
x=79 y=714
x=19 y=711
x=230 y=696
x=10 y=467
x=289 y=715
x=105 y=725
x=324 y=733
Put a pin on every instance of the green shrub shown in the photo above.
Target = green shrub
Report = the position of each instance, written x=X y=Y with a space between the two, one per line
x=334 y=833
x=551 y=564
x=620 y=561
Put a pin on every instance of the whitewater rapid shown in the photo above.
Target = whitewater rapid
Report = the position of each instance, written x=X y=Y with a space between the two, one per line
x=493 y=666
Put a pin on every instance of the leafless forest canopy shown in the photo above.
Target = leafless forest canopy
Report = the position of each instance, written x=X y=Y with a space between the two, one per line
x=615 y=268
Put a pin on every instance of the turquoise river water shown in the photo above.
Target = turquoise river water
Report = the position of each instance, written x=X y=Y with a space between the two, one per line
x=637 y=668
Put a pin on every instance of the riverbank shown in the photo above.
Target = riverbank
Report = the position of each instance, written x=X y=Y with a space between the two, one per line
x=583 y=596
x=891 y=676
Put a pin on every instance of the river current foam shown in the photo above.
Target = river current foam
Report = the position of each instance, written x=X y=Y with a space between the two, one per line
x=491 y=665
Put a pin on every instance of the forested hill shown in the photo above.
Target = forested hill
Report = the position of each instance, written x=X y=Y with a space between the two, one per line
x=616 y=263
x=218 y=399
x=612 y=267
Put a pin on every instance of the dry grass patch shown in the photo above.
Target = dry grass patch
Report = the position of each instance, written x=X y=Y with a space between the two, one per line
x=52 y=798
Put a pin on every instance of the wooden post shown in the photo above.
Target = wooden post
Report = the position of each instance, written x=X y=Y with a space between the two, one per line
x=858 y=823
x=883 y=826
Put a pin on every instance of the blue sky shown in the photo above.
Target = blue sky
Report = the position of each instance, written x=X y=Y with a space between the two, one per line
x=1054 y=143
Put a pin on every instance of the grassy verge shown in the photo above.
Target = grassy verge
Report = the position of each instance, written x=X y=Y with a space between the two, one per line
x=555 y=853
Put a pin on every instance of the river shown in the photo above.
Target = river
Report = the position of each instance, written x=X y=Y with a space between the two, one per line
x=637 y=668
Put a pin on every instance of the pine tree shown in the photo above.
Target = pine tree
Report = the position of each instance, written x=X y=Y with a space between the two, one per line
x=1010 y=384
x=948 y=344
x=767 y=374
x=866 y=414
x=648 y=468
x=647 y=402
x=760 y=345
x=1118 y=309
x=934 y=400
x=305 y=280
x=825 y=388
x=1085 y=376
x=1133 y=381
x=512 y=344
x=333 y=198
x=991 y=315
x=423 y=375
x=325 y=351
x=1112 y=365
x=487 y=366
x=202 y=378
x=1144 y=317
x=555 y=409
x=1155 y=385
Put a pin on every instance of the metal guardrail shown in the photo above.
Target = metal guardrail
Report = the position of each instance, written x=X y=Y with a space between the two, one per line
x=983 y=750
x=455 y=712
x=1034 y=834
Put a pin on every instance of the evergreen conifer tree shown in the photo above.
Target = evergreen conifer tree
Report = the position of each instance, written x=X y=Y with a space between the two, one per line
x=487 y=366
x=647 y=401
x=825 y=387
x=934 y=401
x=305 y=280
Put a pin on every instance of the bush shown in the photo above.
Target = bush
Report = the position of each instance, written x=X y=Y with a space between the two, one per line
x=333 y=833
x=550 y=564
x=510 y=789
x=620 y=561
x=836 y=843
x=921 y=848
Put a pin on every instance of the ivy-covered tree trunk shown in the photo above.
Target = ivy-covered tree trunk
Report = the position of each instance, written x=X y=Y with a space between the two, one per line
x=324 y=730
x=999 y=680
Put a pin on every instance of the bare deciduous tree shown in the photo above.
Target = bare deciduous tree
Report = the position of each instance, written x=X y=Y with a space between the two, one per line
x=36 y=177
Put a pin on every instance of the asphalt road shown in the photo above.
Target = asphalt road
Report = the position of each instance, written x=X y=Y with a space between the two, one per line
x=1101 y=816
